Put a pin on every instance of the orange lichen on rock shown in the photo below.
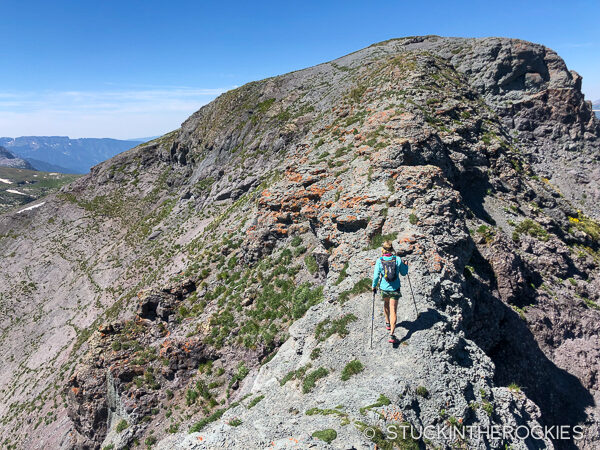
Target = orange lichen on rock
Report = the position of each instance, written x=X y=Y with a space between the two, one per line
x=380 y=116
x=165 y=347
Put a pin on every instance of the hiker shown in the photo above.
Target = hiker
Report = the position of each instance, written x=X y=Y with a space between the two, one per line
x=386 y=275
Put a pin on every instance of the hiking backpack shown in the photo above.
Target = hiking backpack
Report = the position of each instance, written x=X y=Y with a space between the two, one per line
x=389 y=269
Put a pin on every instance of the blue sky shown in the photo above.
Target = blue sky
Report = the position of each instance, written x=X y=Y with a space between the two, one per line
x=129 y=69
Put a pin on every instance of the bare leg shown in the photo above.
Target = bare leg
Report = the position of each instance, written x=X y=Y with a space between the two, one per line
x=392 y=308
x=386 y=309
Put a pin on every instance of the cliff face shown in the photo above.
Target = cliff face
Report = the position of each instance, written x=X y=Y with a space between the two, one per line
x=7 y=159
x=213 y=281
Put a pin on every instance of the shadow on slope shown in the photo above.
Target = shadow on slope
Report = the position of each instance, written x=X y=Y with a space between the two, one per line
x=424 y=321
x=508 y=341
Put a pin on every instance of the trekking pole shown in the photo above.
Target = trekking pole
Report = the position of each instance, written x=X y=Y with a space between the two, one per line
x=372 y=320
x=413 y=294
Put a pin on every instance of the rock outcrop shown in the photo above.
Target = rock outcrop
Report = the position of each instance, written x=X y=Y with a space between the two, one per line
x=8 y=159
x=211 y=288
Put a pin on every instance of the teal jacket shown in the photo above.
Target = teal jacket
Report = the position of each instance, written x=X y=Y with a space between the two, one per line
x=384 y=285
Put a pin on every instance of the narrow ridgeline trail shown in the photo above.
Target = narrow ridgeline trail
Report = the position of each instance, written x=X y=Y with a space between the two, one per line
x=212 y=288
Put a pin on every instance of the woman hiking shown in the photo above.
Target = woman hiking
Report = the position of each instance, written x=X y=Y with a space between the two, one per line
x=386 y=275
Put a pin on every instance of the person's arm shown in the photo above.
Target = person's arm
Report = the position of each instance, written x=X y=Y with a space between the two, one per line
x=403 y=269
x=376 y=275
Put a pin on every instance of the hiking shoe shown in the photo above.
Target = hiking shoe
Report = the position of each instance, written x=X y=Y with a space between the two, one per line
x=387 y=326
x=393 y=339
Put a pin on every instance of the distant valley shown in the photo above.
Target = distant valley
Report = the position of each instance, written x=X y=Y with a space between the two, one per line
x=22 y=186
x=65 y=155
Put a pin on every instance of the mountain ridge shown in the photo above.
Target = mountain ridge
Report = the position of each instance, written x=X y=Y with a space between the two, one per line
x=436 y=143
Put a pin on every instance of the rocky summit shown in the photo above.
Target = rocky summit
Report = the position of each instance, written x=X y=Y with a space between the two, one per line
x=212 y=288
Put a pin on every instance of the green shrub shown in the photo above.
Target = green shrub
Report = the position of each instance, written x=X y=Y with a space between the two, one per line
x=591 y=304
x=309 y=382
x=299 y=373
x=299 y=251
x=311 y=264
x=303 y=298
x=315 y=353
x=378 y=240
x=255 y=400
x=587 y=225
x=327 y=328
x=514 y=387
x=352 y=368
x=360 y=287
x=174 y=428
x=328 y=435
x=150 y=441
x=241 y=373
x=122 y=425
x=235 y=422
x=357 y=93
x=191 y=396
x=533 y=229
x=326 y=412
x=487 y=407
x=296 y=241
x=343 y=274
x=199 y=426
x=264 y=106
x=381 y=401
x=203 y=390
x=232 y=263
x=413 y=219
x=468 y=271
x=391 y=185
x=454 y=422
x=487 y=233
x=288 y=376
x=422 y=391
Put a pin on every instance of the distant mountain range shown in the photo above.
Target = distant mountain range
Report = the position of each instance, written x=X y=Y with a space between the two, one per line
x=65 y=155
x=9 y=159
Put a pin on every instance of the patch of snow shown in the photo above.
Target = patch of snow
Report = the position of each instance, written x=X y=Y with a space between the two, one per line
x=12 y=191
x=3 y=180
x=30 y=208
